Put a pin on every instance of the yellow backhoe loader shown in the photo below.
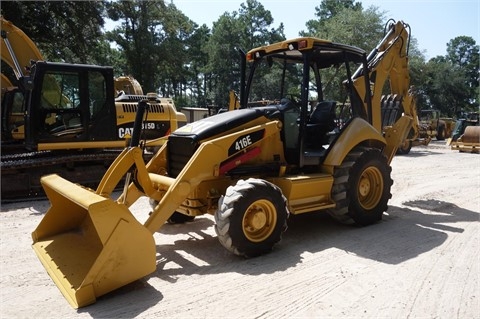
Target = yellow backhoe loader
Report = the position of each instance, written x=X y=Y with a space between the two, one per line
x=251 y=167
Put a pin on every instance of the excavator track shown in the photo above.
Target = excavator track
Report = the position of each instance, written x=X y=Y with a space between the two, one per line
x=21 y=173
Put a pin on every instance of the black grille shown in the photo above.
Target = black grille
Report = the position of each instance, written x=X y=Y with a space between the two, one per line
x=180 y=150
x=132 y=108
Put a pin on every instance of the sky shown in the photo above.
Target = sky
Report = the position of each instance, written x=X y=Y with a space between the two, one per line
x=433 y=22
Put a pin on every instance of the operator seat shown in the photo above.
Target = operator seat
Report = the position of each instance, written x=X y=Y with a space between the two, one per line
x=321 y=121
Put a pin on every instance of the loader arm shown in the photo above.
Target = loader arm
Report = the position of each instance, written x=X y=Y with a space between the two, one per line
x=123 y=163
x=203 y=165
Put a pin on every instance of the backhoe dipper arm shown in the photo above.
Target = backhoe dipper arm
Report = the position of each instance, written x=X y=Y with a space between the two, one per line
x=388 y=60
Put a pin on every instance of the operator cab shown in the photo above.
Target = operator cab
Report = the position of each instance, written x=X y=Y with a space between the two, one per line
x=308 y=75
x=71 y=104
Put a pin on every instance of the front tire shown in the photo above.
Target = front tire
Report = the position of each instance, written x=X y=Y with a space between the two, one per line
x=361 y=187
x=251 y=217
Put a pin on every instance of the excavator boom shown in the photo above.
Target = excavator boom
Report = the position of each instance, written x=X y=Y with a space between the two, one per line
x=18 y=60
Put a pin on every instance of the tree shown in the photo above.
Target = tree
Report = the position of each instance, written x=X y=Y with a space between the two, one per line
x=330 y=8
x=174 y=71
x=68 y=31
x=152 y=36
x=445 y=86
x=326 y=11
x=418 y=75
x=135 y=37
x=198 y=65
x=450 y=82
x=463 y=52
x=345 y=22
x=222 y=58
x=245 y=29
x=255 y=21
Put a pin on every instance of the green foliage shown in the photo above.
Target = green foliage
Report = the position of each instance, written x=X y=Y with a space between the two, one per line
x=330 y=8
x=181 y=102
x=345 y=22
x=327 y=10
x=198 y=65
x=245 y=29
x=452 y=81
x=445 y=86
x=68 y=31
x=418 y=76
x=354 y=27
x=136 y=37
x=222 y=54
x=463 y=52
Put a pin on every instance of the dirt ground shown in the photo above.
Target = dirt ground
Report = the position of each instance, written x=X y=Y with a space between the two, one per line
x=421 y=261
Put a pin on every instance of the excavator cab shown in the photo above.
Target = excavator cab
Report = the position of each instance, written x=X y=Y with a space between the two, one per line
x=72 y=104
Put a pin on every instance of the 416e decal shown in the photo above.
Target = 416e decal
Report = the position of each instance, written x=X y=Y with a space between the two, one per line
x=245 y=141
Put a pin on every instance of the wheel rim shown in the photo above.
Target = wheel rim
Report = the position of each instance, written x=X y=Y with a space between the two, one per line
x=259 y=220
x=370 y=188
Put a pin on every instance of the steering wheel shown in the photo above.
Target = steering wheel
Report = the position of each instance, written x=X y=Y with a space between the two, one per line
x=295 y=98
x=291 y=101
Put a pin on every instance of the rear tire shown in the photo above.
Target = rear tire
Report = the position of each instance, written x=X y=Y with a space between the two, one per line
x=361 y=187
x=251 y=217
x=179 y=218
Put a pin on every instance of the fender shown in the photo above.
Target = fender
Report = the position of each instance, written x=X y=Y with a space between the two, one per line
x=356 y=132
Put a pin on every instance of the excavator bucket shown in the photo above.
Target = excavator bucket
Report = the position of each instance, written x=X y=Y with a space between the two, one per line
x=89 y=244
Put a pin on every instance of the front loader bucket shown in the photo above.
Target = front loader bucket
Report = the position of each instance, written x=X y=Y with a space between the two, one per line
x=89 y=244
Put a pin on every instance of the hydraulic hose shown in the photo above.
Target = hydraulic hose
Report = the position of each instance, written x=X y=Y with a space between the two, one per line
x=137 y=126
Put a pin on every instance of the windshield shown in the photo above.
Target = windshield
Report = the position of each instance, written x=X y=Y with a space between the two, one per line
x=279 y=76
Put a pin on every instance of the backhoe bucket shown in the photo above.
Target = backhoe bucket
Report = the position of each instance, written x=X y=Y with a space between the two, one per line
x=90 y=245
